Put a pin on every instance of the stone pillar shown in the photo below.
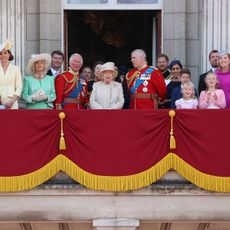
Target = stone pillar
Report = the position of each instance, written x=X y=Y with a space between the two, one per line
x=174 y=29
x=50 y=25
x=12 y=27
x=116 y=224
x=215 y=28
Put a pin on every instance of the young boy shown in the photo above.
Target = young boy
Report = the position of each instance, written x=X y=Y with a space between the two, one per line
x=185 y=77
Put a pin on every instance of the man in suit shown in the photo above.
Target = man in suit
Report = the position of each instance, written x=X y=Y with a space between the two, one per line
x=162 y=65
x=213 y=59
x=56 y=63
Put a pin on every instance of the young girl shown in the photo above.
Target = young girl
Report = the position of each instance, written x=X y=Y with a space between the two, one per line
x=188 y=101
x=212 y=98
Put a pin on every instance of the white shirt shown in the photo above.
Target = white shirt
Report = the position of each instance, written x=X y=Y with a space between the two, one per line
x=54 y=72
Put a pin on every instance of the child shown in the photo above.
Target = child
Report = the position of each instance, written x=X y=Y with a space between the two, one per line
x=212 y=98
x=185 y=77
x=188 y=101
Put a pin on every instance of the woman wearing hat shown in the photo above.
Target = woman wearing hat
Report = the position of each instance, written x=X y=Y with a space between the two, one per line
x=38 y=91
x=10 y=78
x=223 y=74
x=173 y=81
x=107 y=94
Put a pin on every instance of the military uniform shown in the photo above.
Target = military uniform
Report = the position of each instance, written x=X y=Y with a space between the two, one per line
x=71 y=91
x=146 y=88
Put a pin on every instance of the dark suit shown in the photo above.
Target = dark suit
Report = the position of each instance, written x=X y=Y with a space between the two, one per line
x=49 y=72
x=202 y=85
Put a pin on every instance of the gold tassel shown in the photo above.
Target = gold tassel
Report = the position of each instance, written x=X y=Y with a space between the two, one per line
x=62 y=145
x=172 y=143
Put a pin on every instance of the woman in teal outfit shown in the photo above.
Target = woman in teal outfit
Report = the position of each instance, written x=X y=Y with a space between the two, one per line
x=38 y=90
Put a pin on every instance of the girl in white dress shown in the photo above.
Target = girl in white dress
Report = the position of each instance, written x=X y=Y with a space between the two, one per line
x=188 y=101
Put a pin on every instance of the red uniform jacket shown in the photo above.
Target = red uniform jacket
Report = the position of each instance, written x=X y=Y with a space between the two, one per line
x=152 y=89
x=65 y=84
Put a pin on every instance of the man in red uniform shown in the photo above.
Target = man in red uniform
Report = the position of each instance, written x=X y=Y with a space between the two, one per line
x=71 y=88
x=146 y=84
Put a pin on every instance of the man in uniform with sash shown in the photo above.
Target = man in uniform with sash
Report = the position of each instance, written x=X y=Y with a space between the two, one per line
x=146 y=84
x=71 y=88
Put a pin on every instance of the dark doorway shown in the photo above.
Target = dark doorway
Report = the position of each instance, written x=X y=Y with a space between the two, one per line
x=110 y=35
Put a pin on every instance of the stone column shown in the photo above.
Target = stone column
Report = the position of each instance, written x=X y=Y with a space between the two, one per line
x=50 y=25
x=12 y=27
x=215 y=28
x=116 y=224
x=174 y=31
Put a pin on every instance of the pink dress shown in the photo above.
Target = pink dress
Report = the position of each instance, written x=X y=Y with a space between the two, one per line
x=224 y=84
x=186 y=104
x=212 y=99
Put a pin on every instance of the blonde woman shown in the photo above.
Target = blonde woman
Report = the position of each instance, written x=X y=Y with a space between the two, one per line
x=10 y=78
x=107 y=94
x=38 y=91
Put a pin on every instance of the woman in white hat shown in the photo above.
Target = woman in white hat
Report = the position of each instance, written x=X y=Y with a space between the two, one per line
x=38 y=91
x=10 y=78
x=107 y=94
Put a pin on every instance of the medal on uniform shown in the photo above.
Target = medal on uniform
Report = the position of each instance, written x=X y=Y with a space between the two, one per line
x=145 y=89
x=145 y=83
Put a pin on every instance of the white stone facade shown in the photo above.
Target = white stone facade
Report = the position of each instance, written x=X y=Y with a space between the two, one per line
x=190 y=29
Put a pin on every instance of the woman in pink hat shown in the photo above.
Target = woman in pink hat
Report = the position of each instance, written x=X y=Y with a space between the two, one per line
x=10 y=78
x=107 y=94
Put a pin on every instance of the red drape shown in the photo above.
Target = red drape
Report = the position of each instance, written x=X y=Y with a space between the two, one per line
x=114 y=143
x=203 y=140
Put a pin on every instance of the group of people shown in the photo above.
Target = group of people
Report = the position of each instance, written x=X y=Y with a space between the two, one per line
x=214 y=85
x=144 y=87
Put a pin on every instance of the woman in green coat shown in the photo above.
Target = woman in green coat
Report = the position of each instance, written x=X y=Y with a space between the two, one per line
x=38 y=90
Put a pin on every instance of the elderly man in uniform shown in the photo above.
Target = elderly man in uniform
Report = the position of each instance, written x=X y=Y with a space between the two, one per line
x=146 y=84
x=71 y=87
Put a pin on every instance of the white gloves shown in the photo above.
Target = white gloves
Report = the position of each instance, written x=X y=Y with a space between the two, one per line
x=39 y=96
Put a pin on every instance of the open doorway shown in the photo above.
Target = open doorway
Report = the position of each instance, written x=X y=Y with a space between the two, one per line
x=111 y=35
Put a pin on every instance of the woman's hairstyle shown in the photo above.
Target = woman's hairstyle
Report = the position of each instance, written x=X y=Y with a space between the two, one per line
x=46 y=67
x=190 y=85
x=175 y=62
x=11 y=58
x=222 y=54
x=206 y=77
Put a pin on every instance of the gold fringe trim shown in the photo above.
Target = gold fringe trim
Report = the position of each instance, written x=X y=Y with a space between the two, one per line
x=202 y=180
x=31 y=180
x=115 y=183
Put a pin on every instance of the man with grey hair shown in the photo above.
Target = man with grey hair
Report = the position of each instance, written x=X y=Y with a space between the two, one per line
x=145 y=84
x=71 y=88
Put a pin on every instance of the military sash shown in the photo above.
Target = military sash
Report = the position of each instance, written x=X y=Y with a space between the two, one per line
x=77 y=89
x=144 y=76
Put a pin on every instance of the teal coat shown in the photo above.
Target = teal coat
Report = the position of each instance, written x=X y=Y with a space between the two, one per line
x=32 y=85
